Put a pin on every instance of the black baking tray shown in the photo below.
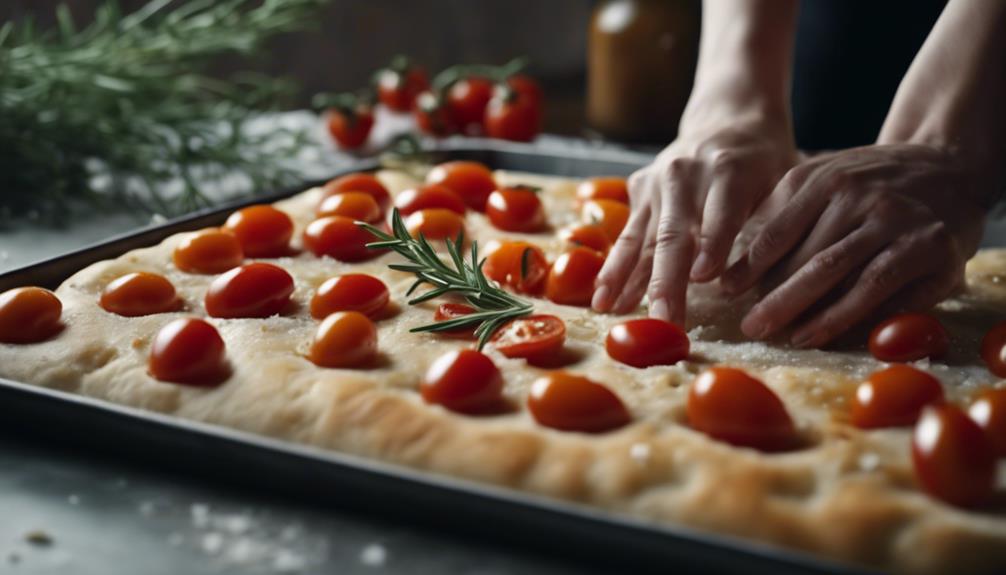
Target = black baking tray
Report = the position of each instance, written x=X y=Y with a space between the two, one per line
x=560 y=528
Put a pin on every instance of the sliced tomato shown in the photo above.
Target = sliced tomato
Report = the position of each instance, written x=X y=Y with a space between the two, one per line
x=534 y=337
x=448 y=311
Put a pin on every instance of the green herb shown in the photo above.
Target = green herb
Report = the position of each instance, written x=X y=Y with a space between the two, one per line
x=494 y=306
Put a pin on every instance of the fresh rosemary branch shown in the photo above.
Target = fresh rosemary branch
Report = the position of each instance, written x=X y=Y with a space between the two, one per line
x=494 y=306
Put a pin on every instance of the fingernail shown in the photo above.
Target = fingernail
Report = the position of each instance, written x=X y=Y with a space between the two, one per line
x=600 y=300
x=702 y=267
x=753 y=327
x=660 y=310
x=802 y=339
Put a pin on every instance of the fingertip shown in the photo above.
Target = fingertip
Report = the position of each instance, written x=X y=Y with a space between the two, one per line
x=602 y=300
x=754 y=326
x=660 y=310
x=704 y=268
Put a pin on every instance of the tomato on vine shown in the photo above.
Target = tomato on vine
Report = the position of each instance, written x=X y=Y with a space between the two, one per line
x=512 y=115
x=433 y=117
x=400 y=83
x=467 y=99
x=349 y=119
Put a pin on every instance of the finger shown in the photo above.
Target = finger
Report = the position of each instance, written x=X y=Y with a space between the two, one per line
x=837 y=221
x=924 y=293
x=624 y=254
x=635 y=287
x=672 y=257
x=722 y=219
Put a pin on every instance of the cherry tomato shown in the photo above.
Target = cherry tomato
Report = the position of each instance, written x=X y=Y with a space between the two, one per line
x=647 y=341
x=569 y=402
x=989 y=412
x=351 y=292
x=263 y=231
x=189 y=351
x=588 y=236
x=463 y=380
x=448 y=311
x=953 y=459
x=467 y=100
x=730 y=405
x=605 y=188
x=994 y=349
x=520 y=266
x=29 y=315
x=208 y=252
x=140 y=293
x=359 y=206
x=516 y=209
x=397 y=88
x=470 y=180
x=533 y=337
x=894 y=397
x=908 y=337
x=252 y=290
x=360 y=182
x=344 y=339
x=350 y=128
x=340 y=238
x=427 y=197
x=432 y=115
x=609 y=215
x=571 y=280
x=527 y=87
x=512 y=116
x=436 y=224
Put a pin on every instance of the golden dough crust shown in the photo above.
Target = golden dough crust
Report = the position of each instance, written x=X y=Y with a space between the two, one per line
x=847 y=494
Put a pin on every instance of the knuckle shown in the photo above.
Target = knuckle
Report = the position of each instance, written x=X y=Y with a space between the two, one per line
x=767 y=242
x=723 y=162
x=678 y=168
x=881 y=278
x=668 y=233
x=828 y=260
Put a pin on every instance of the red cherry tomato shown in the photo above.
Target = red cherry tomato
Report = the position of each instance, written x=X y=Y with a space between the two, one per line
x=908 y=337
x=730 y=405
x=645 y=342
x=516 y=209
x=427 y=197
x=351 y=292
x=263 y=231
x=953 y=459
x=467 y=100
x=360 y=182
x=29 y=315
x=568 y=402
x=398 y=88
x=188 y=351
x=344 y=339
x=994 y=349
x=520 y=266
x=252 y=290
x=139 y=293
x=894 y=397
x=534 y=337
x=436 y=224
x=470 y=180
x=587 y=236
x=605 y=188
x=432 y=115
x=989 y=412
x=463 y=380
x=448 y=311
x=609 y=215
x=571 y=280
x=359 y=206
x=340 y=238
x=210 y=251
x=512 y=116
x=527 y=87
x=350 y=129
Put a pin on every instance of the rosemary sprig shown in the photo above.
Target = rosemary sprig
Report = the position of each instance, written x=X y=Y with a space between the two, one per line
x=494 y=305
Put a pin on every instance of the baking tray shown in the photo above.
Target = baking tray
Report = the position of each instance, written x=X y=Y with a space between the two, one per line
x=557 y=527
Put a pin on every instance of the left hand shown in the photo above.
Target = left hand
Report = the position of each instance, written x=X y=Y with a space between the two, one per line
x=896 y=223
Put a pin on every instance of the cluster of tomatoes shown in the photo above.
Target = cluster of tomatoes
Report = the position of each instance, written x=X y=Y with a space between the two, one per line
x=496 y=102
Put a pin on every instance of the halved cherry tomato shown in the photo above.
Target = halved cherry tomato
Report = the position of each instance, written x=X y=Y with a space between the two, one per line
x=511 y=115
x=436 y=224
x=569 y=402
x=470 y=180
x=571 y=280
x=448 y=311
x=520 y=266
x=588 y=236
x=609 y=215
x=263 y=231
x=350 y=128
x=188 y=351
x=140 y=293
x=953 y=458
x=344 y=339
x=360 y=182
x=463 y=380
x=433 y=116
x=604 y=188
x=894 y=397
x=427 y=197
x=397 y=87
x=647 y=341
x=210 y=251
x=516 y=209
x=533 y=337
x=467 y=100
x=252 y=290
x=989 y=412
x=350 y=292
x=908 y=337
x=340 y=238
x=730 y=405
x=994 y=349
x=359 y=206
x=29 y=315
